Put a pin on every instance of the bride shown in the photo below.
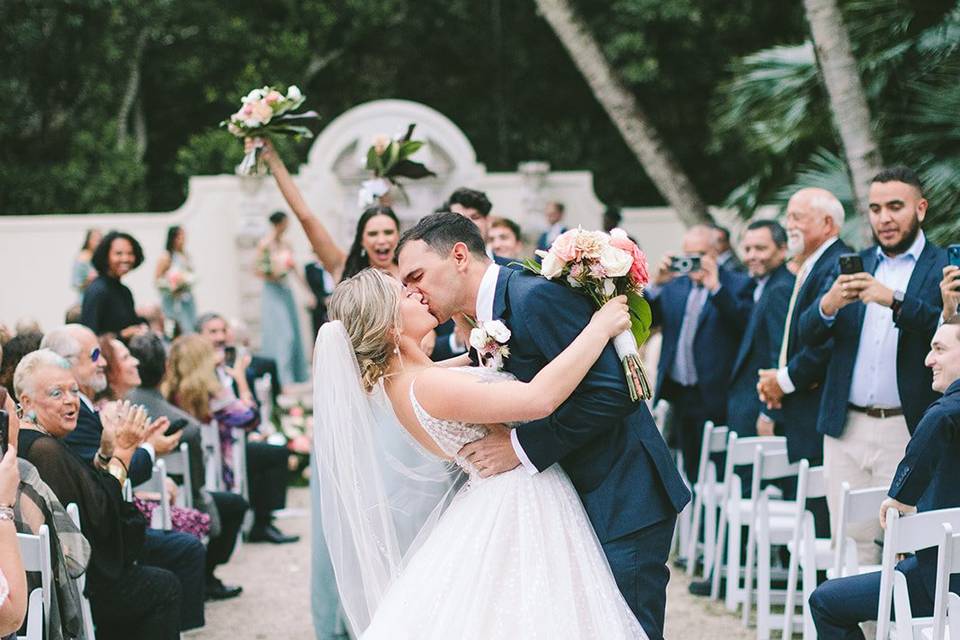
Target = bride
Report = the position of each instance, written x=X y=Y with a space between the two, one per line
x=510 y=556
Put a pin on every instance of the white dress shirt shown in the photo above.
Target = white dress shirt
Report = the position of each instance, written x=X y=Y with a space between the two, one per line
x=874 y=382
x=485 y=296
x=783 y=374
x=758 y=290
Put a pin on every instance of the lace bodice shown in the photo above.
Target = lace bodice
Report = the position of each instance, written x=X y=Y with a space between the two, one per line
x=451 y=435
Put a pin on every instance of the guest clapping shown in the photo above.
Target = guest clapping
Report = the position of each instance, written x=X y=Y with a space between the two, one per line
x=108 y=304
x=129 y=599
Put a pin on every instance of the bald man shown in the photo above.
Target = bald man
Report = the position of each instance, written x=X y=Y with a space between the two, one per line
x=703 y=314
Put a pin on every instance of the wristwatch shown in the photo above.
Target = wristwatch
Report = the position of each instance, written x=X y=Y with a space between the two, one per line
x=897 y=303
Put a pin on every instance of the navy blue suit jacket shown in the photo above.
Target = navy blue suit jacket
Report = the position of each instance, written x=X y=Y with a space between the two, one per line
x=608 y=445
x=759 y=349
x=719 y=329
x=917 y=321
x=929 y=474
x=807 y=366
x=84 y=440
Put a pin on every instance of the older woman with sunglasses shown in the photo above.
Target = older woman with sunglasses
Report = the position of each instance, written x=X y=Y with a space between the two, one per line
x=129 y=599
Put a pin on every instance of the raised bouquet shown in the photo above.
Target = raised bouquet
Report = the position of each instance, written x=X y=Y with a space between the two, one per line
x=176 y=282
x=389 y=159
x=265 y=112
x=604 y=266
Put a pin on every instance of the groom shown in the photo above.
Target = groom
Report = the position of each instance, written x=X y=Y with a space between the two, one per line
x=608 y=445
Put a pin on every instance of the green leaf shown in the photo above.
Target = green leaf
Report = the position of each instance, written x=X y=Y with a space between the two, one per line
x=641 y=317
x=391 y=155
x=410 y=169
x=528 y=264
x=407 y=149
x=373 y=161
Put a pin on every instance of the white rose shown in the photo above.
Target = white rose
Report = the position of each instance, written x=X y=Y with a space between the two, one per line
x=608 y=287
x=551 y=267
x=617 y=232
x=253 y=96
x=293 y=92
x=478 y=339
x=497 y=330
x=616 y=262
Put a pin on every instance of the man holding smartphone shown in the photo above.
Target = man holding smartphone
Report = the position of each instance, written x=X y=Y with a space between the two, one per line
x=881 y=321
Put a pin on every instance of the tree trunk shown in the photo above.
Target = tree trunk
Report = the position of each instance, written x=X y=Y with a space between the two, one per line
x=132 y=89
x=622 y=107
x=848 y=102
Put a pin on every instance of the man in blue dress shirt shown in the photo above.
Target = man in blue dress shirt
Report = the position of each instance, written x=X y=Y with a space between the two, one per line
x=881 y=321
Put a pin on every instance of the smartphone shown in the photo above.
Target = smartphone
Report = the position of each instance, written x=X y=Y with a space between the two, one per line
x=685 y=264
x=229 y=356
x=851 y=263
x=4 y=432
x=953 y=255
x=176 y=426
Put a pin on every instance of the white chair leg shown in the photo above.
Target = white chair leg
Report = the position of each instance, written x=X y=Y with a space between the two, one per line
x=809 y=584
x=709 y=535
x=735 y=537
x=746 y=594
x=694 y=533
x=763 y=590
x=790 y=604
x=717 y=566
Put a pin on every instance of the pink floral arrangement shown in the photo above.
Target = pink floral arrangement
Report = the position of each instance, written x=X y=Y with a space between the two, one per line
x=603 y=266
x=175 y=281
x=263 y=113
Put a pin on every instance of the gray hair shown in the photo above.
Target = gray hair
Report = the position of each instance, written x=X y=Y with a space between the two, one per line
x=23 y=377
x=829 y=204
x=63 y=341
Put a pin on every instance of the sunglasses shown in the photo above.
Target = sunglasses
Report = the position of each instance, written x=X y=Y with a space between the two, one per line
x=94 y=354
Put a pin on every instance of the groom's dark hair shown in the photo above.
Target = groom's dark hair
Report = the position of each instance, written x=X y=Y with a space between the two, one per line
x=444 y=229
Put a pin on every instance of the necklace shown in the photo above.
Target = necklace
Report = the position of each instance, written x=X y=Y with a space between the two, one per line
x=36 y=425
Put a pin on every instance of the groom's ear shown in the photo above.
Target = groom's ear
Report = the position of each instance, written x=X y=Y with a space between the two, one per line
x=460 y=255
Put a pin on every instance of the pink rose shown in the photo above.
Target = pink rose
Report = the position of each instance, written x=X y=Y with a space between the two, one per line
x=638 y=270
x=296 y=412
x=273 y=97
x=565 y=246
x=262 y=111
x=576 y=271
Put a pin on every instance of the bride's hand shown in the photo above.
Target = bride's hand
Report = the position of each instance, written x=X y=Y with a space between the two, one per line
x=613 y=318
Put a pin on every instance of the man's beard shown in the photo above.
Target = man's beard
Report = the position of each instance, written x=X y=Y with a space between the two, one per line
x=902 y=246
x=97 y=383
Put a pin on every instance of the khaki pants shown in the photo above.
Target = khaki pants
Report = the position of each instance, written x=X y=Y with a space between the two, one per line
x=865 y=456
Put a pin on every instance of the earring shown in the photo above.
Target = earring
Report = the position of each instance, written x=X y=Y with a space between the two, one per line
x=31 y=416
x=363 y=253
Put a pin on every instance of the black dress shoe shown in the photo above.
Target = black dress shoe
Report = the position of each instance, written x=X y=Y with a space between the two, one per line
x=270 y=533
x=702 y=588
x=216 y=590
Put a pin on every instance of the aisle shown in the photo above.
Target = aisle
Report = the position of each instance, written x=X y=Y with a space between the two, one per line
x=276 y=600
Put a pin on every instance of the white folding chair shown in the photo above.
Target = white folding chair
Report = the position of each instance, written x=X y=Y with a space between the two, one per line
x=808 y=553
x=767 y=528
x=178 y=463
x=735 y=511
x=262 y=387
x=213 y=456
x=906 y=534
x=946 y=605
x=240 y=484
x=707 y=493
x=35 y=552
x=85 y=613
x=35 y=616
x=856 y=506
x=162 y=515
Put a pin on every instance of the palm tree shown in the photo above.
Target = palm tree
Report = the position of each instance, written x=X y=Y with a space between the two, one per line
x=625 y=112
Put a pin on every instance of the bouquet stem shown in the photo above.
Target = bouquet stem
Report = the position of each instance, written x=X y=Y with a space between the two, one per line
x=637 y=381
x=252 y=164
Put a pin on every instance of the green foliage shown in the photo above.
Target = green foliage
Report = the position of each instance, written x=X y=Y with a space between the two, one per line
x=641 y=317
x=494 y=67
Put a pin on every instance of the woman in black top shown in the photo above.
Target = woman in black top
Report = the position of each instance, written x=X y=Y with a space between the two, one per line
x=107 y=303
x=129 y=600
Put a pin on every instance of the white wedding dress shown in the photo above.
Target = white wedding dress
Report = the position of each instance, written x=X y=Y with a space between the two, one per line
x=513 y=557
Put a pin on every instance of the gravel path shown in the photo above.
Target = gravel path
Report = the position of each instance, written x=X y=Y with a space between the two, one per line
x=276 y=594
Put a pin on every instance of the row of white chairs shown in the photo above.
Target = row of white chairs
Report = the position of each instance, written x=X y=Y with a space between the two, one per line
x=719 y=508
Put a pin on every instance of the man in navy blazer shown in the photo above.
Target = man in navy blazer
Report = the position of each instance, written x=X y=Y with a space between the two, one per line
x=927 y=478
x=553 y=212
x=792 y=388
x=703 y=315
x=607 y=444
x=764 y=248
x=881 y=321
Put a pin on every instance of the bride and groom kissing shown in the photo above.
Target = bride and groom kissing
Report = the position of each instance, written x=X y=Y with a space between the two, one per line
x=561 y=523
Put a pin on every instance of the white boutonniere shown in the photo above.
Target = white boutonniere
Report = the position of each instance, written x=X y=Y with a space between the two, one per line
x=490 y=340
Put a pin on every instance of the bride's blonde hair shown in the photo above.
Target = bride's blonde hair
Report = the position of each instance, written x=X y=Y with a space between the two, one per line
x=368 y=305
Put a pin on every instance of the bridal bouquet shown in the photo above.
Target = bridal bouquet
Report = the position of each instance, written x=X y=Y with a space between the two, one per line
x=389 y=159
x=604 y=266
x=176 y=282
x=266 y=112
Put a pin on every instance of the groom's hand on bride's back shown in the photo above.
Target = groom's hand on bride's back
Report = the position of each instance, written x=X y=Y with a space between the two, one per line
x=493 y=453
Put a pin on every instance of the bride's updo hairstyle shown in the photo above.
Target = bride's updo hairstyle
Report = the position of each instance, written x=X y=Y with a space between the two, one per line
x=368 y=305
